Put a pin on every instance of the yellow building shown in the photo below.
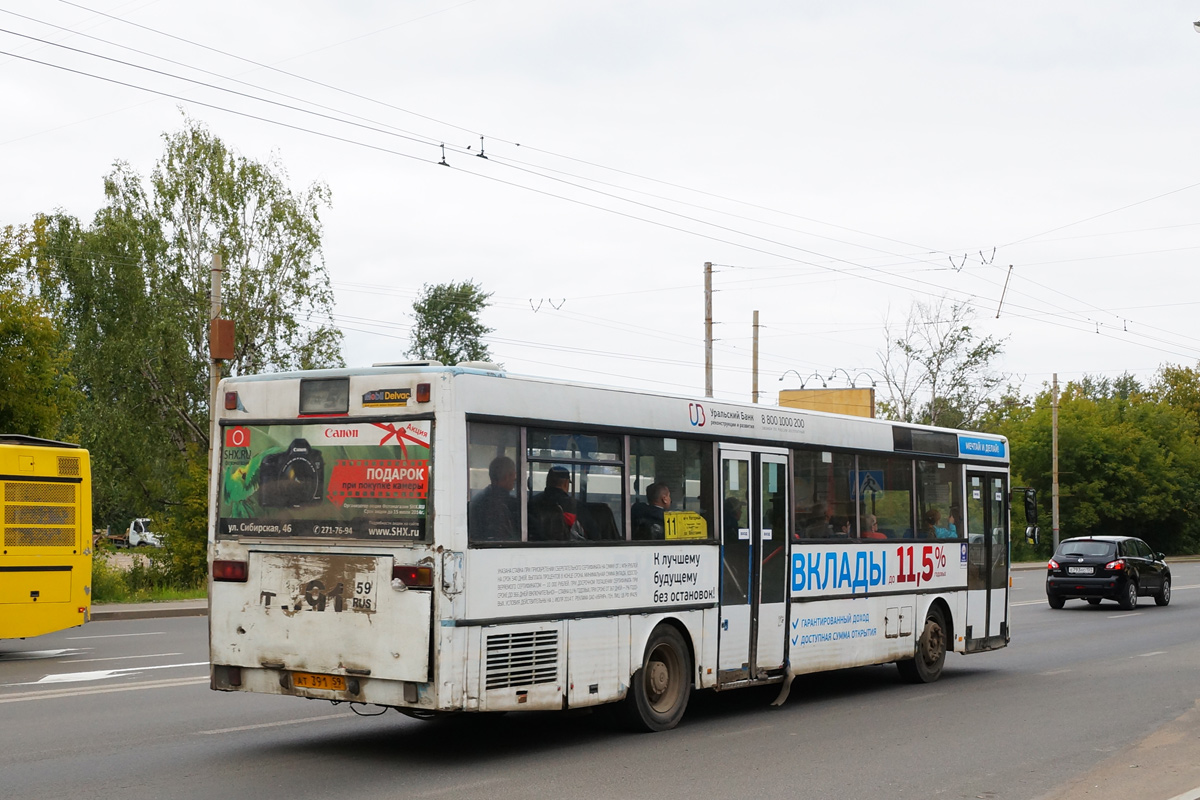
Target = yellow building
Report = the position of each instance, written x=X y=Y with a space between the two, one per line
x=856 y=402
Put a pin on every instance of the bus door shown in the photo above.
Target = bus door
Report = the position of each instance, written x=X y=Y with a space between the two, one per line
x=987 y=560
x=754 y=543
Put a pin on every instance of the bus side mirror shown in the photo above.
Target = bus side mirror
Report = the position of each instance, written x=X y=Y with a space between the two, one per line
x=1031 y=513
x=1031 y=535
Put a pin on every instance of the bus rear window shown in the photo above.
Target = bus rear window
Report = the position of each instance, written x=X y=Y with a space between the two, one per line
x=352 y=481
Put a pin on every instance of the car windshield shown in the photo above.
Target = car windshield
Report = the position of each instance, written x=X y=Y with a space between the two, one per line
x=1106 y=549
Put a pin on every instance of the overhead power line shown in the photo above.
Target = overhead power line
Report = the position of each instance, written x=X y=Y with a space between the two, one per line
x=540 y=172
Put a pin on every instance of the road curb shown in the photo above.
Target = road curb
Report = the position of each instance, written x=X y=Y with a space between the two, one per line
x=113 y=612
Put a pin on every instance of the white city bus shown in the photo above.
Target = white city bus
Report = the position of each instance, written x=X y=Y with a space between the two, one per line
x=445 y=539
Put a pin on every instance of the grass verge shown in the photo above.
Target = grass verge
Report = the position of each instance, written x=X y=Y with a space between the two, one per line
x=143 y=582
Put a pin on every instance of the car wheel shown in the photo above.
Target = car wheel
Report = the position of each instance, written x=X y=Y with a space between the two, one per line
x=658 y=692
x=1128 y=599
x=1055 y=601
x=1093 y=601
x=927 y=665
x=1164 y=595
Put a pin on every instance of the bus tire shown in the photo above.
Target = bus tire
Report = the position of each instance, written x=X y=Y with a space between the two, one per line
x=926 y=665
x=659 y=691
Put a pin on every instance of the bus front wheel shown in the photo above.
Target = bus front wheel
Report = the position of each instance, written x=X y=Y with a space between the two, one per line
x=659 y=691
x=927 y=665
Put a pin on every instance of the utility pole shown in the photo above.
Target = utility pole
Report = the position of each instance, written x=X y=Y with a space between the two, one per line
x=708 y=378
x=1054 y=460
x=214 y=365
x=220 y=348
x=754 y=389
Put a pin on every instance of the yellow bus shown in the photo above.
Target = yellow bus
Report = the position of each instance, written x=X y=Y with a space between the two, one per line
x=46 y=558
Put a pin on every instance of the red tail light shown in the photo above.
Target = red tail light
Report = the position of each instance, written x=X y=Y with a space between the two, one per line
x=1052 y=565
x=413 y=577
x=234 y=571
x=1118 y=564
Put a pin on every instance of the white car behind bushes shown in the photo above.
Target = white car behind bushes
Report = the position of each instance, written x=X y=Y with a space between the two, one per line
x=141 y=535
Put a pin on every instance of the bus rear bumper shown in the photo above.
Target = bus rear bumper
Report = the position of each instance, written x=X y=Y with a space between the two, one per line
x=342 y=688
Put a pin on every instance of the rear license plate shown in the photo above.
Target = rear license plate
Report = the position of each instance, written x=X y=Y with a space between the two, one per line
x=1081 y=570
x=307 y=680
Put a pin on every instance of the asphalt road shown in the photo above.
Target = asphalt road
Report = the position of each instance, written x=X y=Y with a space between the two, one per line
x=1086 y=702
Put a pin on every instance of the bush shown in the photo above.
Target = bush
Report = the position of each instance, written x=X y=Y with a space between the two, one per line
x=145 y=581
x=182 y=561
x=108 y=582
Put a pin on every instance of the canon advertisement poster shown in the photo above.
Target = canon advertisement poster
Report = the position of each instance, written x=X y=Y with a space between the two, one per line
x=362 y=481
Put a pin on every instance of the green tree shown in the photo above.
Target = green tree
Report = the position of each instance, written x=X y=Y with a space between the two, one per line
x=1178 y=387
x=131 y=293
x=35 y=385
x=1128 y=463
x=936 y=369
x=447 y=327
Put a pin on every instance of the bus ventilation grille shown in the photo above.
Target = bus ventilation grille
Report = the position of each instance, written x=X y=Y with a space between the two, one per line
x=522 y=659
x=39 y=515
x=39 y=493
x=28 y=508
x=68 y=466
x=39 y=537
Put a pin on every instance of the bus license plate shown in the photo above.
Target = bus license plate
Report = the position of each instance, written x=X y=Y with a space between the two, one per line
x=1081 y=570
x=307 y=680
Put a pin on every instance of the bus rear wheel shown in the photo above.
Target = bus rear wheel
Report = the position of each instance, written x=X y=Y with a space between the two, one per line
x=659 y=691
x=926 y=666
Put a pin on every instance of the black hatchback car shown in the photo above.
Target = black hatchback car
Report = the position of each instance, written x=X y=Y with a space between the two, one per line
x=1119 y=568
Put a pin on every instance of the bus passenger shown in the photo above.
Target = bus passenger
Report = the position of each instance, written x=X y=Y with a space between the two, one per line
x=493 y=515
x=841 y=527
x=648 y=518
x=552 y=514
x=933 y=526
x=871 y=528
x=819 y=526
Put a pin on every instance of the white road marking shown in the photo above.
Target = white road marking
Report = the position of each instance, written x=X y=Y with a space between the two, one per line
x=755 y=729
x=51 y=694
x=1147 y=655
x=343 y=715
x=116 y=635
x=1123 y=616
x=1028 y=603
x=33 y=655
x=119 y=658
x=460 y=787
x=1194 y=794
x=101 y=674
x=1054 y=672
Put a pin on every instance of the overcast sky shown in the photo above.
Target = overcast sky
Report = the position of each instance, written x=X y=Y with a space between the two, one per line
x=835 y=160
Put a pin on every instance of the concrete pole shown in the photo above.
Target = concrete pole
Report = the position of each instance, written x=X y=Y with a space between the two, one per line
x=708 y=367
x=214 y=366
x=754 y=389
x=1054 y=460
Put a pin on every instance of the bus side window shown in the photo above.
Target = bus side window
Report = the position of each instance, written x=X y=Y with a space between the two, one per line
x=684 y=469
x=886 y=493
x=574 y=479
x=493 y=510
x=939 y=515
x=824 y=484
